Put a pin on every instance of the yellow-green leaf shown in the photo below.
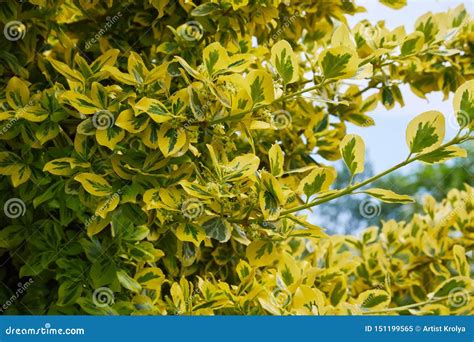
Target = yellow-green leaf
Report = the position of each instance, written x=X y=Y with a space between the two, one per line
x=353 y=152
x=261 y=87
x=318 y=180
x=285 y=62
x=22 y=174
x=463 y=103
x=9 y=163
x=128 y=282
x=413 y=43
x=155 y=109
x=443 y=154
x=33 y=113
x=339 y=62
x=262 y=253
x=150 y=278
x=17 y=93
x=388 y=196
x=373 y=299
x=110 y=136
x=451 y=286
x=131 y=123
x=108 y=58
x=241 y=167
x=215 y=58
x=119 y=76
x=170 y=139
x=425 y=132
x=276 y=159
x=66 y=71
x=107 y=205
x=82 y=103
x=343 y=37
x=271 y=197
x=460 y=260
x=59 y=167
x=395 y=4
x=136 y=67
x=217 y=228
x=94 y=184
x=195 y=189
x=190 y=232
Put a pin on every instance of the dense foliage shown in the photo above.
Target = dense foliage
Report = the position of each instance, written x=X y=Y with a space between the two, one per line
x=158 y=158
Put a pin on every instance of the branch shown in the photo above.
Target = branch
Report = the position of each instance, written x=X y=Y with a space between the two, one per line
x=350 y=189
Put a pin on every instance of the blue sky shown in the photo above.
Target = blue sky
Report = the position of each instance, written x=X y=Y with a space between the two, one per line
x=386 y=140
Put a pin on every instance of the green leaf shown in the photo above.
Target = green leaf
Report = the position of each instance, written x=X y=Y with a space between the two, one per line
x=103 y=272
x=68 y=292
x=217 y=228
x=128 y=282
x=91 y=308
x=205 y=9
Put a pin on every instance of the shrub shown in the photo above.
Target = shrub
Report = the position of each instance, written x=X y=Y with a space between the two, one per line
x=160 y=155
